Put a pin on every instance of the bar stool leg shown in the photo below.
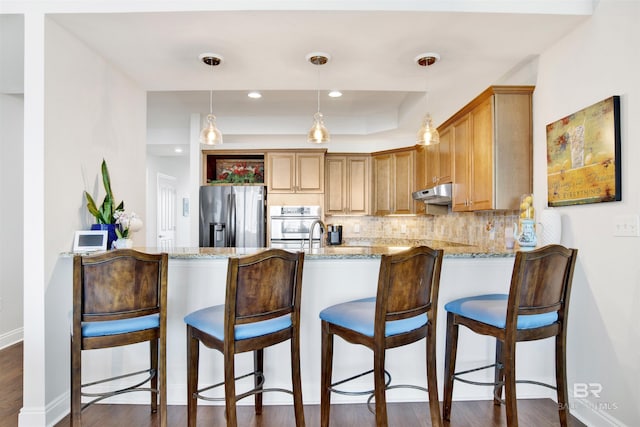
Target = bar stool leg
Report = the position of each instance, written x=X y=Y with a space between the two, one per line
x=153 y=363
x=379 y=386
x=327 y=368
x=298 y=406
x=498 y=373
x=432 y=377
x=230 y=389
x=76 y=380
x=193 y=357
x=258 y=366
x=451 y=350
x=511 y=402
x=561 y=380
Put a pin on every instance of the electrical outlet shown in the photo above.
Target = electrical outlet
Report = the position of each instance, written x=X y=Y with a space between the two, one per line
x=356 y=227
x=403 y=229
x=626 y=226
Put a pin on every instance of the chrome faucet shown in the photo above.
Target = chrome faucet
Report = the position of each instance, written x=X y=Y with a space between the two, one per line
x=323 y=228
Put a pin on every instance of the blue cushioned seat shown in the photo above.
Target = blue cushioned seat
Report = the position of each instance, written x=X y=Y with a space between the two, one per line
x=210 y=320
x=492 y=310
x=115 y=327
x=359 y=315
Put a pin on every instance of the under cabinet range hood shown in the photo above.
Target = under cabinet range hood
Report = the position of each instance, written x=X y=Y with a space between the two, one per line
x=438 y=195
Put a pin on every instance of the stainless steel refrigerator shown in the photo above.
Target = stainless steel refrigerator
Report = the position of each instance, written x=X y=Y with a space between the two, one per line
x=233 y=216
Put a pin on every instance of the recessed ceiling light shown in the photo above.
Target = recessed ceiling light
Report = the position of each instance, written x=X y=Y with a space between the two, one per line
x=335 y=94
x=177 y=150
x=254 y=94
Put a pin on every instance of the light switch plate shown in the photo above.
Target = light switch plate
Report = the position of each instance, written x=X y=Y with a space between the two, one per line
x=626 y=225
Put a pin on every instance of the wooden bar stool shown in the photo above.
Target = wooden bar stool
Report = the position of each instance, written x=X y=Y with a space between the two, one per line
x=404 y=311
x=536 y=307
x=120 y=298
x=262 y=308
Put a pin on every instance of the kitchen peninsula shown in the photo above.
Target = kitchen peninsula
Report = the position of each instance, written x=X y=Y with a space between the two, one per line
x=197 y=278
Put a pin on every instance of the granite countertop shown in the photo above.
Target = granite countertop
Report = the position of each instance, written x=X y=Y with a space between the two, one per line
x=361 y=248
x=341 y=252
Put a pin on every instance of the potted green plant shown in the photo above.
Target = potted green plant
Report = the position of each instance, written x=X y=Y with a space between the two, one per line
x=105 y=214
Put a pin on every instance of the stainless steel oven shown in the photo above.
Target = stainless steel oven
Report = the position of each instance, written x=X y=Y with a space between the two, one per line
x=289 y=226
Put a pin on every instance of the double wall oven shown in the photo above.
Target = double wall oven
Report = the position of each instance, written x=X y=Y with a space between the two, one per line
x=290 y=225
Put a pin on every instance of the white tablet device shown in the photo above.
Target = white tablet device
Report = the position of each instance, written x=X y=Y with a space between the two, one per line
x=90 y=241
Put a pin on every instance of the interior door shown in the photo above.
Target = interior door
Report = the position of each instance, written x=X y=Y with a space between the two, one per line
x=166 y=212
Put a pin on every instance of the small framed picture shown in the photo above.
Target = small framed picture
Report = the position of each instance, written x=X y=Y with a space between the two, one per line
x=90 y=241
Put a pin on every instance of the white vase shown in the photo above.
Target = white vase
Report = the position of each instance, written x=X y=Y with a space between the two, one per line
x=550 y=232
x=123 y=244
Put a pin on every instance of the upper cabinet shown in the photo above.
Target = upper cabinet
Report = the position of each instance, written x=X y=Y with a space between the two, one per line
x=295 y=171
x=394 y=181
x=491 y=145
x=347 y=184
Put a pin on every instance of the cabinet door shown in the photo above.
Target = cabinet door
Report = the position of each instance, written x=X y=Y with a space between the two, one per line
x=383 y=167
x=481 y=192
x=281 y=172
x=336 y=185
x=358 y=185
x=423 y=179
x=310 y=172
x=460 y=174
x=444 y=156
x=433 y=164
x=403 y=182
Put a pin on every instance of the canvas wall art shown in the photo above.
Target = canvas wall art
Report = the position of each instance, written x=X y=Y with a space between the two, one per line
x=583 y=156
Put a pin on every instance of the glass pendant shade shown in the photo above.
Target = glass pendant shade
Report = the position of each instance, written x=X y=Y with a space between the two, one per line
x=318 y=132
x=427 y=134
x=210 y=134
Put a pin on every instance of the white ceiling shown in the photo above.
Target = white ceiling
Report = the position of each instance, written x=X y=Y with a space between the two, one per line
x=372 y=60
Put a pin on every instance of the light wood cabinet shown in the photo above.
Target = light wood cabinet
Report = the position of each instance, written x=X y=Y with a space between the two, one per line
x=394 y=181
x=295 y=171
x=347 y=184
x=491 y=143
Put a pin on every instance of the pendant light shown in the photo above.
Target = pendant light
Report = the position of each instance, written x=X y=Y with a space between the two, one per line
x=318 y=132
x=427 y=134
x=210 y=134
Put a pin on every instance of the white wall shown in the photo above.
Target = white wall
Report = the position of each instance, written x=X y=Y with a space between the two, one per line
x=91 y=111
x=598 y=60
x=11 y=218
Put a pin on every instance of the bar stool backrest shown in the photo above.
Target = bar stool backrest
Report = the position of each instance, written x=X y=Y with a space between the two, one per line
x=541 y=282
x=264 y=286
x=408 y=284
x=118 y=285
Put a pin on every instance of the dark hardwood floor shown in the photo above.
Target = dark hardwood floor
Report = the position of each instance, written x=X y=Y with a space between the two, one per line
x=531 y=413
x=10 y=385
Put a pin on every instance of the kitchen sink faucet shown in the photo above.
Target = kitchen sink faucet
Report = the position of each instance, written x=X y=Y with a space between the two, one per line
x=323 y=228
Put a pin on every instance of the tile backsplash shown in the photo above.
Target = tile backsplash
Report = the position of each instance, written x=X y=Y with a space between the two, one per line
x=485 y=229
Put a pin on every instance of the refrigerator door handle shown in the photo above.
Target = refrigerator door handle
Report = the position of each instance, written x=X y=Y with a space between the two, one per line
x=232 y=220
x=227 y=219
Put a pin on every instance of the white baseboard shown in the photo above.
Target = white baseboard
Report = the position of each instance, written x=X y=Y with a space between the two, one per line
x=58 y=409
x=594 y=414
x=11 y=337
x=47 y=416
x=32 y=417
